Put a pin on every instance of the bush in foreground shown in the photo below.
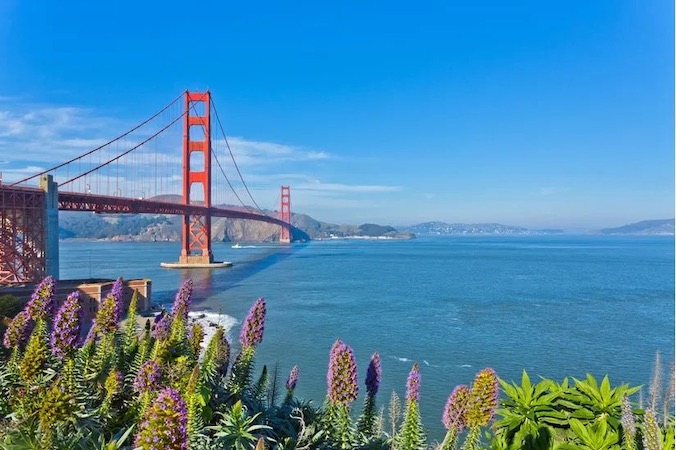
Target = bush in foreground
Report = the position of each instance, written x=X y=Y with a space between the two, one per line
x=155 y=388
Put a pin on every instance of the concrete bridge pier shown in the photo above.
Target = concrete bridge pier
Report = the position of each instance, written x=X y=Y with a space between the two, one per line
x=51 y=224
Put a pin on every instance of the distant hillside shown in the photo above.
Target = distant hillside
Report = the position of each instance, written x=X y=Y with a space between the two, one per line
x=137 y=227
x=100 y=226
x=442 y=228
x=323 y=230
x=646 y=227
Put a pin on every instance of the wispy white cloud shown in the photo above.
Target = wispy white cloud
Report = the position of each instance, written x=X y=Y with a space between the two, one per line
x=49 y=133
x=44 y=121
x=11 y=175
x=33 y=138
x=337 y=187
x=312 y=190
x=308 y=204
x=32 y=135
x=549 y=191
x=87 y=144
x=256 y=153
x=266 y=178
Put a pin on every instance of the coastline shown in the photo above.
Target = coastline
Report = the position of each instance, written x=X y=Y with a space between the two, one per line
x=209 y=321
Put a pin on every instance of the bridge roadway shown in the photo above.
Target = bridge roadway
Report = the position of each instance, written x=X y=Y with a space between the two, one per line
x=29 y=245
x=75 y=201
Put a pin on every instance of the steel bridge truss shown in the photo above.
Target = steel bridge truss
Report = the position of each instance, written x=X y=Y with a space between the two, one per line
x=22 y=234
x=29 y=220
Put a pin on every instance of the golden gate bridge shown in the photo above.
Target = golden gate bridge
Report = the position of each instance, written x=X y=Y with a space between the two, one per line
x=163 y=165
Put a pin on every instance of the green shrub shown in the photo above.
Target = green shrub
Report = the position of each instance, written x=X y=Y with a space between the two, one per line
x=127 y=388
x=9 y=306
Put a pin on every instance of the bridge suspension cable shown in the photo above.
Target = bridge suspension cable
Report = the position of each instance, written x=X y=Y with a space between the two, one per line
x=145 y=165
x=232 y=188
x=125 y=152
x=103 y=145
x=248 y=208
x=220 y=126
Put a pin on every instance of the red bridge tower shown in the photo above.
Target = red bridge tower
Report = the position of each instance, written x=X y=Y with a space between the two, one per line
x=285 y=215
x=196 y=235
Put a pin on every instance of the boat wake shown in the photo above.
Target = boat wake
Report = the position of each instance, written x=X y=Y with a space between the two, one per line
x=409 y=360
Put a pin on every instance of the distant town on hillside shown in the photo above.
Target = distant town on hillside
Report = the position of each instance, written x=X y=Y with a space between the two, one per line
x=443 y=228
x=646 y=227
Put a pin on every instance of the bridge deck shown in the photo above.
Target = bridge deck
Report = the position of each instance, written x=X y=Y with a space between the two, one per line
x=74 y=201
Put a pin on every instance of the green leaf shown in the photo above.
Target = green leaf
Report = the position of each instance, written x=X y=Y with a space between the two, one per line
x=605 y=390
x=582 y=413
x=579 y=429
x=568 y=404
x=633 y=390
x=509 y=389
x=119 y=441
x=526 y=386
x=541 y=388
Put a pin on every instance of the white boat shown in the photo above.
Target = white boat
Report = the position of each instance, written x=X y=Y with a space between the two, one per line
x=237 y=246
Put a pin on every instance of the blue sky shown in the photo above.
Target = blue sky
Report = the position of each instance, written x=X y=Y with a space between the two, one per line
x=528 y=113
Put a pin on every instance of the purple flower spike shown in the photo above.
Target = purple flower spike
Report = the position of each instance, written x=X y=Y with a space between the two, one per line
x=456 y=408
x=66 y=328
x=628 y=421
x=42 y=300
x=18 y=330
x=162 y=328
x=373 y=374
x=148 y=377
x=165 y=423
x=183 y=300
x=252 y=330
x=293 y=378
x=413 y=384
x=342 y=375
x=117 y=291
x=483 y=398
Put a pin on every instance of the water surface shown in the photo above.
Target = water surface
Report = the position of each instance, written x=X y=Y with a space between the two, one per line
x=554 y=305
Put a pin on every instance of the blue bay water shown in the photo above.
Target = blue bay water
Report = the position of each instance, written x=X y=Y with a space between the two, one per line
x=554 y=305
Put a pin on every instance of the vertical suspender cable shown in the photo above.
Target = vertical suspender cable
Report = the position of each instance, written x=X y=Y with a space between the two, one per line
x=220 y=125
x=101 y=146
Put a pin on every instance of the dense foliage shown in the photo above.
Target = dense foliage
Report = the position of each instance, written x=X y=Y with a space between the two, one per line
x=94 y=226
x=9 y=307
x=159 y=387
